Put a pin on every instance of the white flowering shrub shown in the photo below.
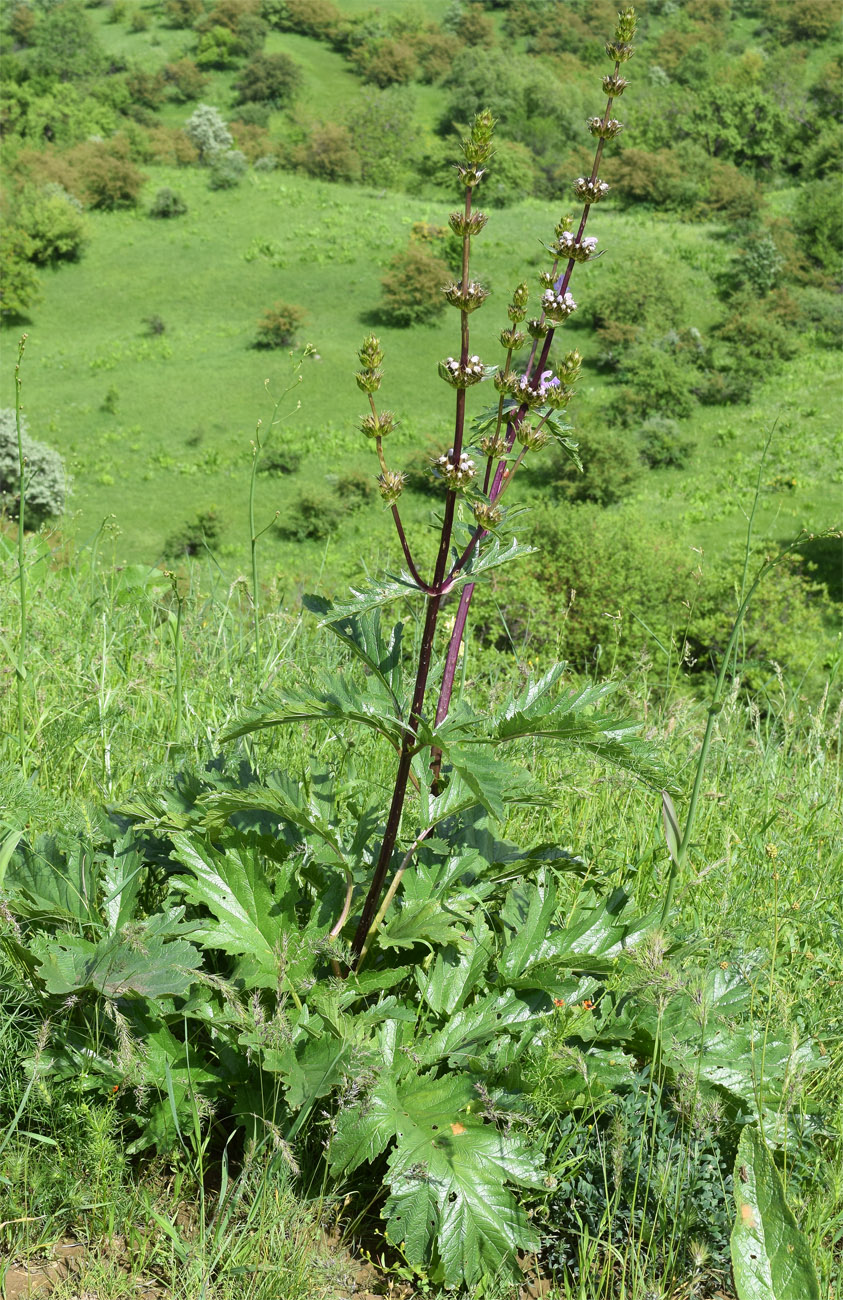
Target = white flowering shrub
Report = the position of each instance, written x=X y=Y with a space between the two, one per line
x=46 y=478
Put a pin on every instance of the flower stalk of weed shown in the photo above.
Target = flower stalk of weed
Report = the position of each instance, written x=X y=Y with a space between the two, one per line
x=20 y=667
x=456 y=468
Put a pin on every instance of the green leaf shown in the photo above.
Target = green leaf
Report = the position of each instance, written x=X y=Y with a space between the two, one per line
x=447 y=1173
x=456 y=971
x=672 y=829
x=45 y=881
x=574 y=721
x=420 y=921
x=365 y=638
x=337 y=702
x=770 y=1256
x=529 y=911
x=489 y=1018
x=249 y=920
x=140 y=958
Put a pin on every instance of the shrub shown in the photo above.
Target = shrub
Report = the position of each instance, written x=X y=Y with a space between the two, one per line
x=755 y=338
x=611 y=469
x=383 y=134
x=146 y=88
x=170 y=145
x=435 y=53
x=313 y=516
x=194 y=537
x=661 y=177
x=386 y=63
x=593 y=570
x=185 y=80
x=207 y=131
x=823 y=312
x=653 y=299
x=167 y=204
x=662 y=445
x=278 y=326
x=328 y=154
x=19 y=285
x=472 y=25
x=227 y=169
x=269 y=79
x=107 y=176
x=182 y=13
x=812 y=20
x=655 y=383
x=253 y=140
x=412 y=288
x=46 y=480
x=139 y=21
x=513 y=174
x=217 y=48
x=278 y=461
x=819 y=219
x=316 y=18
x=53 y=220
x=356 y=489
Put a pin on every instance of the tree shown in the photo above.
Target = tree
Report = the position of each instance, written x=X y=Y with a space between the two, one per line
x=383 y=133
x=53 y=220
x=45 y=479
x=269 y=79
x=64 y=46
x=207 y=131
x=412 y=288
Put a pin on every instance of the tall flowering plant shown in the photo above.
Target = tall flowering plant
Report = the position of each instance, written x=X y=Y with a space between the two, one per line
x=479 y=469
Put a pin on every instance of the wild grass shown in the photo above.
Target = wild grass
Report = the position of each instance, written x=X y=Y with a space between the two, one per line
x=763 y=873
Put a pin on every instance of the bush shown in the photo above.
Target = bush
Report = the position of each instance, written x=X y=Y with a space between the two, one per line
x=316 y=18
x=412 y=288
x=182 y=13
x=819 y=221
x=655 y=383
x=383 y=134
x=662 y=445
x=208 y=133
x=386 y=63
x=146 y=88
x=269 y=79
x=512 y=174
x=53 y=220
x=755 y=338
x=194 y=537
x=278 y=461
x=611 y=469
x=64 y=46
x=653 y=299
x=46 y=480
x=356 y=489
x=824 y=314
x=185 y=80
x=105 y=175
x=19 y=285
x=314 y=516
x=167 y=204
x=278 y=326
x=227 y=169
x=328 y=154
x=576 y=597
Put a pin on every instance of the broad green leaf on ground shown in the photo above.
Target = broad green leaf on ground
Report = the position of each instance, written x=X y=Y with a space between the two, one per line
x=770 y=1256
x=593 y=937
x=456 y=971
x=419 y=922
x=529 y=912
x=122 y=876
x=365 y=637
x=448 y=1175
x=312 y=1069
x=141 y=958
x=45 y=881
x=250 y=920
x=489 y=1018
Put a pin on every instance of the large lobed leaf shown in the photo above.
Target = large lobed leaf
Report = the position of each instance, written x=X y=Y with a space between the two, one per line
x=448 y=1173
x=770 y=1256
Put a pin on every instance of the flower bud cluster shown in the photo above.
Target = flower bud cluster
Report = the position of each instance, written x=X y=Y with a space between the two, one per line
x=468 y=299
x=370 y=375
x=513 y=340
x=537 y=328
x=477 y=146
x=458 y=477
x=558 y=306
x=376 y=425
x=621 y=48
x=589 y=191
x=606 y=130
x=614 y=85
x=391 y=485
x=531 y=437
x=487 y=515
x=459 y=376
x=549 y=391
x=517 y=309
x=578 y=250
x=467 y=225
x=569 y=371
x=494 y=445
